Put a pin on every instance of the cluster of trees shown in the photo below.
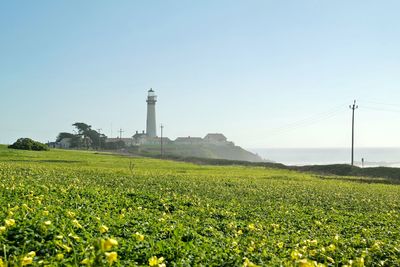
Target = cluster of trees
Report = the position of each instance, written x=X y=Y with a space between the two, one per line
x=86 y=137
x=28 y=144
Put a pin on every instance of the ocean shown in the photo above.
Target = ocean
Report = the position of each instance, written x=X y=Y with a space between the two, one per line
x=373 y=157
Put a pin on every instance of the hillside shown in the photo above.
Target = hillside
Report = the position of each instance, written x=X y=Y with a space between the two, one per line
x=203 y=151
x=71 y=208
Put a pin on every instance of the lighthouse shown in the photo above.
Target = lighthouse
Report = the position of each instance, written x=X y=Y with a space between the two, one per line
x=151 y=129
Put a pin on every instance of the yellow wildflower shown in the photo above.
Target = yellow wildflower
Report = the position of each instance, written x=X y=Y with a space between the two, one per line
x=111 y=257
x=31 y=254
x=9 y=222
x=2 y=229
x=85 y=261
x=2 y=264
x=71 y=214
x=318 y=223
x=77 y=238
x=45 y=212
x=331 y=247
x=139 y=236
x=231 y=225
x=154 y=261
x=251 y=227
x=313 y=242
x=330 y=259
x=275 y=226
x=376 y=246
x=295 y=255
x=26 y=261
x=248 y=263
x=60 y=256
x=109 y=243
x=103 y=229
x=312 y=252
x=305 y=263
x=359 y=262
x=65 y=247
x=76 y=223
x=47 y=223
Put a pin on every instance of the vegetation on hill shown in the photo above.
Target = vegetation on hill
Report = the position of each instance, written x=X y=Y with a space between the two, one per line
x=28 y=144
x=70 y=208
x=210 y=151
x=369 y=175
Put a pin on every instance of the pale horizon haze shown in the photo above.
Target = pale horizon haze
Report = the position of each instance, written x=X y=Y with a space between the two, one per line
x=267 y=74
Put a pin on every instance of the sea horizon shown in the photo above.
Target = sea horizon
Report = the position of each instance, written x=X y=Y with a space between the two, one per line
x=373 y=156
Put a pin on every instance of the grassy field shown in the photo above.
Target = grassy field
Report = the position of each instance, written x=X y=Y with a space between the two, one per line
x=69 y=208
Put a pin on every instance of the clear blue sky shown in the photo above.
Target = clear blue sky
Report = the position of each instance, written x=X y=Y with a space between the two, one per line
x=264 y=73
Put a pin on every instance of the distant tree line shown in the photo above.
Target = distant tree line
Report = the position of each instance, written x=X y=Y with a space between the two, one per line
x=86 y=137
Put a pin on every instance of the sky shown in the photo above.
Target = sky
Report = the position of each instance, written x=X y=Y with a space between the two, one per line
x=267 y=74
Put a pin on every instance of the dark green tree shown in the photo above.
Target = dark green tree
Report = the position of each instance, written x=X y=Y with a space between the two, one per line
x=63 y=135
x=85 y=137
x=82 y=128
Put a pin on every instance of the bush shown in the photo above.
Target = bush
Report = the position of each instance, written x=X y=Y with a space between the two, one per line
x=115 y=145
x=29 y=144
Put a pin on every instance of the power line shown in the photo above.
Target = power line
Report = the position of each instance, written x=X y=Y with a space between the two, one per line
x=305 y=122
x=311 y=118
x=383 y=104
x=381 y=109
x=286 y=131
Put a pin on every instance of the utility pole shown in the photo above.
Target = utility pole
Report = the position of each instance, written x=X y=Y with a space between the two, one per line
x=162 y=150
x=353 y=108
x=99 y=130
x=120 y=133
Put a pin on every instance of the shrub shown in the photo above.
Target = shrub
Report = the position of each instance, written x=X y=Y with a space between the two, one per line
x=28 y=144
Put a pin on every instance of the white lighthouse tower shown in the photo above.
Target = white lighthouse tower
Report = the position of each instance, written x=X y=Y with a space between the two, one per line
x=151 y=129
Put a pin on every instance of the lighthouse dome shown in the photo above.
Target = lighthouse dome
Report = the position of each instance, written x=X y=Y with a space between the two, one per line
x=151 y=92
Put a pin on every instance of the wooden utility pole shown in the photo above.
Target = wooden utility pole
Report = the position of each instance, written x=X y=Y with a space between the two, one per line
x=99 y=131
x=162 y=150
x=353 y=108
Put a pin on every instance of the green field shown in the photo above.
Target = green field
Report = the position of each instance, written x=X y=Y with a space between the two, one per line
x=69 y=208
